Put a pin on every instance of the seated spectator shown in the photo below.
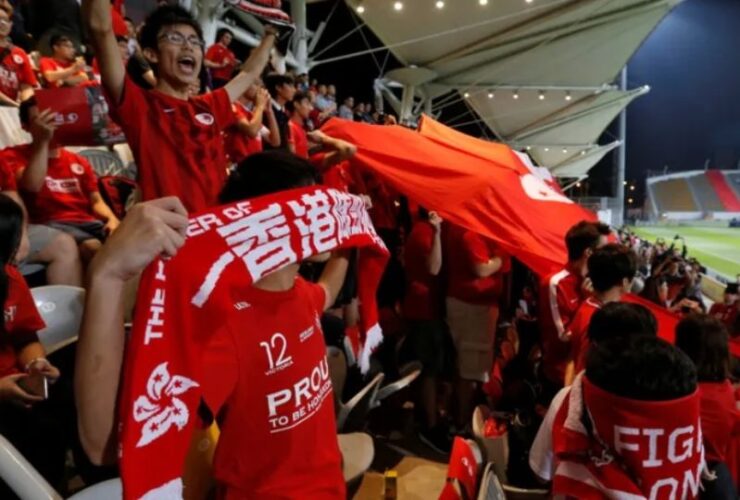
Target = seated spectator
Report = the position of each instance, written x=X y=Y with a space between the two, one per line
x=61 y=189
x=220 y=59
x=301 y=83
x=611 y=270
x=616 y=319
x=360 y=112
x=17 y=78
x=252 y=110
x=26 y=419
x=50 y=247
x=282 y=90
x=704 y=339
x=63 y=68
x=616 y=431
x=346 y=109
x=323 y=102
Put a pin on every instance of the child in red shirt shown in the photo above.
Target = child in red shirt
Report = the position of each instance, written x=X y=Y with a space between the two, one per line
x=176 y=139
x=705 y=340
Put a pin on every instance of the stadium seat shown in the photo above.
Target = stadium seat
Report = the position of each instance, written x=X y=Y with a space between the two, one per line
x=358 y=452
x=490 y=487
x=21 y=476
x=705 y=194
x=103 y=162
x=61 y=309
x=674 y=195
x=408 y=372
x=495 y=449
x=337 y=370
x=352 y=415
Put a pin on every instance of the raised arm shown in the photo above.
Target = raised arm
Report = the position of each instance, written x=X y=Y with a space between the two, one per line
x=97 y=18
x=149 y=230
x=434 y=260
x=42 y=131
x=252 y=67
x=332 y=278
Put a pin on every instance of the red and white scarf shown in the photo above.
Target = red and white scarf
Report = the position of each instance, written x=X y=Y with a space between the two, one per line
x=633 y=449
x=184 y=300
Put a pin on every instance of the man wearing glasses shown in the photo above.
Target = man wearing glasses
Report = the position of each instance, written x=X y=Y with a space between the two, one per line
x=176 y=138
x=63 y=68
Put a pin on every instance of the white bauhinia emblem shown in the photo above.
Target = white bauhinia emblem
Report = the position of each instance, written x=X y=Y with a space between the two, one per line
x=160 y=409
x=537 y=189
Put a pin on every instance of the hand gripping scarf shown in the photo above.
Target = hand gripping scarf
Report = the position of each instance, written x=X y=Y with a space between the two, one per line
x=633 y=449
x=182 y=301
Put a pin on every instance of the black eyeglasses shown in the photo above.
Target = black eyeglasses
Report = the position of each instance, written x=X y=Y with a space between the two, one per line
x=179 y=39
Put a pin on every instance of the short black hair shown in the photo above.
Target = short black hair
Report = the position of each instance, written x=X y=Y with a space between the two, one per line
x=610 y=265
x=706 y=341
x=24 y=111
x=623 y=319
x=642 y=367
x=165 y=15
x=58 y=39
x=274 y=80
x=582 y=236
x=297 y=98
x=265 y=173
x=223 y=31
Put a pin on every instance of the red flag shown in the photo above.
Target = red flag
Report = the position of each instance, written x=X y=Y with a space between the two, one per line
x=482 y=186
x=667 y=321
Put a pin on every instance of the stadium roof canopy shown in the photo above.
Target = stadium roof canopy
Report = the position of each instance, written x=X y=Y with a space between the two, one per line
x=539 y=73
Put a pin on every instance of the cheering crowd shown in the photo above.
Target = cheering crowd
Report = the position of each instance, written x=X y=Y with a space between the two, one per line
x=616 y=378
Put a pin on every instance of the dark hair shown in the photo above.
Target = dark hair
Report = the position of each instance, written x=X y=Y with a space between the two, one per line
x=642 y=367
x=24 y=111
x=705 y=340
x=274 y=80
x=11 y=230
x=297 y=98
x=621 y=319
x=265 y=173
x=58 y=38
x=583 y=236
x=610 y=265
x=161 y=17
x=223 y=31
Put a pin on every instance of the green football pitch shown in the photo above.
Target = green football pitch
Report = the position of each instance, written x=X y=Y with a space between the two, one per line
x=715 y=247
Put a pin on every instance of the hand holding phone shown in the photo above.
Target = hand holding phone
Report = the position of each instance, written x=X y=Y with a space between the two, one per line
x=36 y=384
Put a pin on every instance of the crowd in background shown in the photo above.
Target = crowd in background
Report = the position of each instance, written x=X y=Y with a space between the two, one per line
x=485 y=329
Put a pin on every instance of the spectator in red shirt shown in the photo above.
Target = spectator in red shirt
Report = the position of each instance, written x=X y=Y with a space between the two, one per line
x=50 y=247
x=220 y=60
x=176 y=139
x=245 y=137
x=428 y=336
x=63 y=68
x=704 y=339
x=728 y=310
x=24 y=416
x=61 y=190
x=560 y=295
x=299 y=462
x=300 y=108
x=17 y=78
x=474 y=284
x=611 y=270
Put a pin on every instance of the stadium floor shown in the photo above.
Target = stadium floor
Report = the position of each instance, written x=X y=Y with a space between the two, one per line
x=715 y=247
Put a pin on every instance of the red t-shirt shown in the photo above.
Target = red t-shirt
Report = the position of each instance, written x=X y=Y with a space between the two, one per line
x=238 y=145
x=463 y=250
x=22 y=320
x=177 y=144
x=299 y=139
x=51 y=64
x=219 y=54
x=719 y=418
x=560 y=297
x=422 y=300
x=16 y=70
x=579 y=332
x=65 y=196
x=7 y=178
x=270 y=384
x=726 y=314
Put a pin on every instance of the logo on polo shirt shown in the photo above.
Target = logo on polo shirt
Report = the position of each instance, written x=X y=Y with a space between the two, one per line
x=77 y=169
x=17 y=59
x=205 y=118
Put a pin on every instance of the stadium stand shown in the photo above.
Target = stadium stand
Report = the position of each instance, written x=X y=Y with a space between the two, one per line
x=721 y=183
x=733 y=179
x=705 y=194
x=674 y=195
x=695 y=194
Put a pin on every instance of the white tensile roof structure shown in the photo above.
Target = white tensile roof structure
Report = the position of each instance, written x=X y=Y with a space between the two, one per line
x=538 y=73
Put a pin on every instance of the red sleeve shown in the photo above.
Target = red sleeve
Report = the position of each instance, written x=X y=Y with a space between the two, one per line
x=212 y=53
x=47 y=64
x=130 y=111
x=317 y=296
x=7 y=179
x=27 y=74
x=220 y=105
x=476 y=248
x=220 y=370
x=27 y=318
